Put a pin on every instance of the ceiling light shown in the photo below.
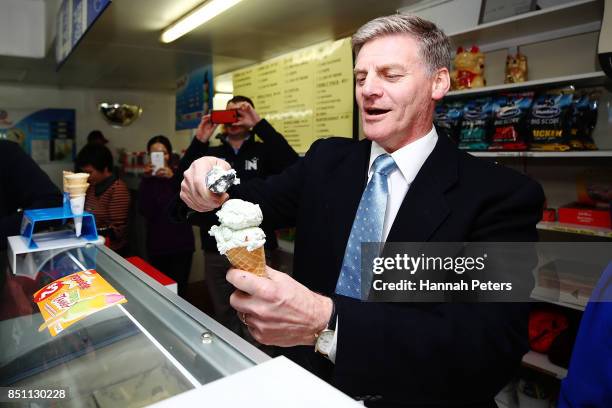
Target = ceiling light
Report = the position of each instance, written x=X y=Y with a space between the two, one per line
x=196 y=18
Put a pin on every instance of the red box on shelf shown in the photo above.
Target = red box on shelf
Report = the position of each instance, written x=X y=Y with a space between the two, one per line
x=584 y=215
x=549 y=214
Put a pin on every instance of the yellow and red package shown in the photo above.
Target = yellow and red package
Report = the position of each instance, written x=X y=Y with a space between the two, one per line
x=74 y=297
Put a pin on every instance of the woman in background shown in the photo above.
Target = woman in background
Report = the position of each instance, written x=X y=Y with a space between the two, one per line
x=108 y=197
x=170 y=245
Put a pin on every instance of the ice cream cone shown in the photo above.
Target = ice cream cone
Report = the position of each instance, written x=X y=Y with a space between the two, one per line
x=65 y=180
x=250 y=261
x=77 y=205
x=76 y=178
x=77 y=190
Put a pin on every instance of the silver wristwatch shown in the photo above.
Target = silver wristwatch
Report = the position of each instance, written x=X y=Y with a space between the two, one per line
x=325 y=338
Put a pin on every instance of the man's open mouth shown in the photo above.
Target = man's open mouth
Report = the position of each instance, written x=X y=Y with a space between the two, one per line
x=376 y=111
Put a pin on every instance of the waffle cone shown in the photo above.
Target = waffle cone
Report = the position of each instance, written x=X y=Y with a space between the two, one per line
x=250 y=261
x=75 y=179
x=65 y=180
x=77 y=190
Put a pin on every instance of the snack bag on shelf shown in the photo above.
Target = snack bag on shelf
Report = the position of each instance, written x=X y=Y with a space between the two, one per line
x=583 y=119
x=509 y=121
x=549 y=121
x=447 y=116
x=476 y=124
x=545 y=325
x=70 y=299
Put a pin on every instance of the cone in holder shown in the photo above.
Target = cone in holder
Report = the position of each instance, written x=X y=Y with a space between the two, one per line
x=75 y=184
x=250 y=261
x=65 y=185
x=75 y=179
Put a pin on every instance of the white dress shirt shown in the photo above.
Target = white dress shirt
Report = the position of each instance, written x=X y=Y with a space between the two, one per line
x=409 y=160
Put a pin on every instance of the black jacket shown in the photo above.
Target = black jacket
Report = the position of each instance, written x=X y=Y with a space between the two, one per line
x=406 y=354
x=23 y=185
x=253 y=160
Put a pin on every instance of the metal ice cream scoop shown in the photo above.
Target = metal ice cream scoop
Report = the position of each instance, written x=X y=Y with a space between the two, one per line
x=219 y=180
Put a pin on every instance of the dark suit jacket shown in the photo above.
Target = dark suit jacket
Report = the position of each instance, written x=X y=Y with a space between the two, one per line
x=395 y=354
x=23 y=185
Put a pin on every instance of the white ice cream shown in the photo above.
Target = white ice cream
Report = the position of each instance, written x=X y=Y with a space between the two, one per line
x=239 y=214
x=227 y=238
x=239 y=226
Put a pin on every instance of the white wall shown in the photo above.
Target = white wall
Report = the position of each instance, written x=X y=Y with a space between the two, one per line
x=23 y=28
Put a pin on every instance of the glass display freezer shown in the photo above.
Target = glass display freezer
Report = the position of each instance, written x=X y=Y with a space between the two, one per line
x=151 y=348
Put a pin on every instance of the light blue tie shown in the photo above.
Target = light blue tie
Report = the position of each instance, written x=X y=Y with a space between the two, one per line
x=367 y=227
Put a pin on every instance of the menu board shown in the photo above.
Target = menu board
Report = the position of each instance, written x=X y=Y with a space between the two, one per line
x=73 y=19
x=305 y=95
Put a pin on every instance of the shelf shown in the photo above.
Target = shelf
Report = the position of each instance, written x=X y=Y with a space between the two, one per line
x=567 y=19
x=575 y=229
x=570 y=300
x=540 y=362
x=585 y=79
x=586 y=153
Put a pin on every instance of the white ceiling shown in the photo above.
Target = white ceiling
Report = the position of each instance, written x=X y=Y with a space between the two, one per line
x=122 y=49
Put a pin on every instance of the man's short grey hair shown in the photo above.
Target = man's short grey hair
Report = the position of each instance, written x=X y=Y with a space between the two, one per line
x=435 y=47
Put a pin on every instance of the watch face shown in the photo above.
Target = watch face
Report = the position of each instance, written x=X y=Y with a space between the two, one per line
x=324 y=341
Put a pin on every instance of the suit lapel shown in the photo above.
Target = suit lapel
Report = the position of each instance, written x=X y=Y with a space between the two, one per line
x=344 y=189
x=424 y=208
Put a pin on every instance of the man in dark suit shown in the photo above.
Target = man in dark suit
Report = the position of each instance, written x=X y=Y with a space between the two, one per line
x=388 y=354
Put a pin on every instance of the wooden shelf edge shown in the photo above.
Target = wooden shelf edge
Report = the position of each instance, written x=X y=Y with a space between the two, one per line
x=523 y=16
x=528 y=153
x=563 y=299
x=540 y=362
x=597 y=75
x=574 y=229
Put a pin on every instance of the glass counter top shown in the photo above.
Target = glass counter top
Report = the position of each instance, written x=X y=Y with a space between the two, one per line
x=153 y=347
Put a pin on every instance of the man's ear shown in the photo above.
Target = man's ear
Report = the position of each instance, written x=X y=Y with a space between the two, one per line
x=440 y=84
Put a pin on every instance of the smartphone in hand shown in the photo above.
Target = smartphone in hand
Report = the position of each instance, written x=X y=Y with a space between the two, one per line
x=157 y=161
x=224 y=117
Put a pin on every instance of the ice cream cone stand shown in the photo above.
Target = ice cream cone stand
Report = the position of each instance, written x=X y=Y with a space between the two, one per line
x=30 y=241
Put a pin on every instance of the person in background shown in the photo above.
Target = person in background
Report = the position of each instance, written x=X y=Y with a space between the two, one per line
x=251 y=160
x=107 y=197
x=23 y=185
x=170 y=245
x=96 y=137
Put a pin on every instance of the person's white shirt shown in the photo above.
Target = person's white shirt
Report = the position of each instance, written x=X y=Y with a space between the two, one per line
x=409 y=160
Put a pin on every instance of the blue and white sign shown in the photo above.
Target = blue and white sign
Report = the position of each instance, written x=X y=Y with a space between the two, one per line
x=194 y=94
x=47 y=135
x=73 y=20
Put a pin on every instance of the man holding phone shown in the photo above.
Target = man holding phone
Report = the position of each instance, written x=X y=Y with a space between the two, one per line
x=251 y=159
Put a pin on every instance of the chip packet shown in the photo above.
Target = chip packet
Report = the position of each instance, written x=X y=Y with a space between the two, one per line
x=476 y=124
x=548 y=122
x=65 y=301
x=583 y=119
x=510 y=113
x=447 y=117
